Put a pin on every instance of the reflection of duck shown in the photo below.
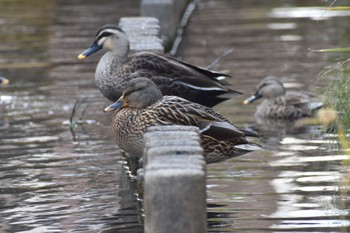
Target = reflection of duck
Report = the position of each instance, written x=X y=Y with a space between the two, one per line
x=4 y=81
x=142 y=105
x=272 y=131
x=172 y=76
x=280 y=104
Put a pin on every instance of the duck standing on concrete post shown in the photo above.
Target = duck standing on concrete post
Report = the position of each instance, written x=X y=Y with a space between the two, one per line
x=279 y=104
x=173 y=77
x=142 y=105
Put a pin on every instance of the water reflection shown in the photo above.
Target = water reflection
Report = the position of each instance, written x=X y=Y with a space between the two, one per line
x=51 y=183
x=314 y=13
x=291 y=187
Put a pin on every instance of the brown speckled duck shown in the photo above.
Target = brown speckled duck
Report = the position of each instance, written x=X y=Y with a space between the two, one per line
x=279 y=104
x=142 y=105
x=173 y=77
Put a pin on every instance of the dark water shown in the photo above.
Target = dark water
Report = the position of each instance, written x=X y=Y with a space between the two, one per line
x=52 y=183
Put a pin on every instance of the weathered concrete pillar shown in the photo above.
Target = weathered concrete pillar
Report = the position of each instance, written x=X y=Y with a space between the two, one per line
x=174 y=200
x=174 y=180
x=143 y=33
x=169 y=13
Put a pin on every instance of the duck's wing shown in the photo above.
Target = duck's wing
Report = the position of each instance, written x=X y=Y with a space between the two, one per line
x=178 y=71
x=180 y=111
x=304 y=101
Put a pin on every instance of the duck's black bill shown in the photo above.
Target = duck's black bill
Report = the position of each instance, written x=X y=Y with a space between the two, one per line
x=93 y=49
x=117 y=105
x=251 y=99
x=4 y=81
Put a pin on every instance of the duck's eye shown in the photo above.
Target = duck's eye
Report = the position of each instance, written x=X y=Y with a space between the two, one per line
x=126 y=92
x=137 y=89
x=263 y=85
x=104 y=34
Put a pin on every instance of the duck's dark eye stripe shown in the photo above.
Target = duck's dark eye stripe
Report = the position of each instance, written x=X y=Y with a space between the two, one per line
x=263 y=85
x=119 y=29
x=134 y=89
x=104 y=34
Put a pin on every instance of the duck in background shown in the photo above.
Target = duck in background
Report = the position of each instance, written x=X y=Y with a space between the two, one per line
x=142 y=105
x=173 y=77
x=282 y=105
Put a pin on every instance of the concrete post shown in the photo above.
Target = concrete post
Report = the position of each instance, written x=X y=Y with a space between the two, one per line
x=174 y=180
x=175 y=200
x=143 y=33
x=169 y=13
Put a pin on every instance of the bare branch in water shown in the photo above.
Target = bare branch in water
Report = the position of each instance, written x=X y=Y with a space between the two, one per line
x=83 y=113
x=73 y=124
x=218 y=59
x=327 y=9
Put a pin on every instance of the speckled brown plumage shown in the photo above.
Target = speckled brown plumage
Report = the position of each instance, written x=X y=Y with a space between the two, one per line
x=142 y=105
x=173 y=77
x=279 y=104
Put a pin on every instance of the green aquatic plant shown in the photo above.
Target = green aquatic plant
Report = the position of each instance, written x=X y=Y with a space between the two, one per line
x=338 y=96
x=338 y=92
x=339 y=8
x=329 y=117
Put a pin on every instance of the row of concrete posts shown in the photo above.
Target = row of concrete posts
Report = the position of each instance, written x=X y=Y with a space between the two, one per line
x=174 y=175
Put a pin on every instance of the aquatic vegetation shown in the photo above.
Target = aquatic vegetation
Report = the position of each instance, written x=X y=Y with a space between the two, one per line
x=338 y=92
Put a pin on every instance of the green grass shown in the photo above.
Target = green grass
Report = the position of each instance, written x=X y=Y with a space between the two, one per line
x=338 y=92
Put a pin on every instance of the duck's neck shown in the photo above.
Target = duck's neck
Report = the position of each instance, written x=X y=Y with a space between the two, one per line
x=121 y=50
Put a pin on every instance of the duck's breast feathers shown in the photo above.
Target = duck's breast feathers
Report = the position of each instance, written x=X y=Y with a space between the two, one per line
x=195 y=77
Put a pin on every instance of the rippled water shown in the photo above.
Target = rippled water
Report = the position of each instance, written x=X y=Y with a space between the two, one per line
x=298 y=184
x=56 y=181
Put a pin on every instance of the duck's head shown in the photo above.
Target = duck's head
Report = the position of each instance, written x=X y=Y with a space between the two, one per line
x=109 y=37
x=4 y=81
x=139 y=93
x=269 y=87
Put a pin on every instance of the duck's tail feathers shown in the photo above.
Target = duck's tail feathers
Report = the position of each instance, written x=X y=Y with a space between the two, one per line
x=229 y=94
x=248 y=147
x=249 y=133
x=315 y=105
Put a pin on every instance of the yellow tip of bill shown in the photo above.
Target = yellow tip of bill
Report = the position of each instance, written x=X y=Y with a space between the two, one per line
x=81 y=56
x=5 y=81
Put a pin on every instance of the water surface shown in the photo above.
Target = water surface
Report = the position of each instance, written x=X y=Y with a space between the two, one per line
x=299 y=183
x=56 y=181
